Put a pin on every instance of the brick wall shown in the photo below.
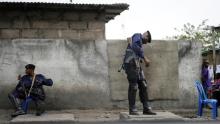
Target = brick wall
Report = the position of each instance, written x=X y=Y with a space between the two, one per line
x=48 y=24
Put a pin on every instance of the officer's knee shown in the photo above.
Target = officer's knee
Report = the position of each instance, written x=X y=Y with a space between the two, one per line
x=133 y=87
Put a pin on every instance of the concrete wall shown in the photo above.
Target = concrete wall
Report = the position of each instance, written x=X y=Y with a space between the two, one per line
x=174 y=68
x=85 y=72
x=79 y=70
x=52 y=24
x=190 y=61
x=162 y=73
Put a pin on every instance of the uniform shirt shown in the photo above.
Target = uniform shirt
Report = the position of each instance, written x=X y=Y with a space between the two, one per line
x=26 y=82
x=40 y=80
x=136 y=45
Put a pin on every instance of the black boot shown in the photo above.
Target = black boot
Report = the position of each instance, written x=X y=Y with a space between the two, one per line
x=39 y=112
x=132 y=98
x=133 y=112
x=148 y=111
x=20 y=111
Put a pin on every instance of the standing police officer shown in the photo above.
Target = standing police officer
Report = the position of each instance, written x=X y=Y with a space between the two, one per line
x=134 y=54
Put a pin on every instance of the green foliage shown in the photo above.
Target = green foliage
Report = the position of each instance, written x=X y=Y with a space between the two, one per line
x=198 y=33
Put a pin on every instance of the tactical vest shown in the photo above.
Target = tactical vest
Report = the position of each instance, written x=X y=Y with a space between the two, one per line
x=130 y=57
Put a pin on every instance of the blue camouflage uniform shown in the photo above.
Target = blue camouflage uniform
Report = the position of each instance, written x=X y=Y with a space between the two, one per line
x=135 y=76
x=136 y=45
x=134 y=53
x=37 y=92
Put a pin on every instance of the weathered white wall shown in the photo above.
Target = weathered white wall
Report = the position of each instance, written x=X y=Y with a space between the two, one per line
x=190 y=61
x=162 y=73
x=175 y=65
x=79 y=70
x=85 y=72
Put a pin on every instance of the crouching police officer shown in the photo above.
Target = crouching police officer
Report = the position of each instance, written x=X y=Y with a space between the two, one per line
x=27 y=87
x=133 y=55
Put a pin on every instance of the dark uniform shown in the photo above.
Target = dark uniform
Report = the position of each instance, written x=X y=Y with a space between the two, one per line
x=135 y=75
x=37 y=93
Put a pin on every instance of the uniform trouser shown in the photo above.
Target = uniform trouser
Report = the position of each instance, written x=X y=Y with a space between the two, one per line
x=15 y=100
x=132 y=90
x=134 y=84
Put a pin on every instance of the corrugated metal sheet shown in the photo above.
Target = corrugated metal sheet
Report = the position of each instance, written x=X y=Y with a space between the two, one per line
x=111 y=10
x=62 y=4
x=68 y=1
x=121 y=6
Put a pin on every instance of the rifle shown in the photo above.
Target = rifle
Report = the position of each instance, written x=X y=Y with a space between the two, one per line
x=129 y=40
x=141 y=73
x=122 y=67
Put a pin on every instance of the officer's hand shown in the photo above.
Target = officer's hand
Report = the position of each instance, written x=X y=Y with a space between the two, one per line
x=147 y=63
x=19 y=77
